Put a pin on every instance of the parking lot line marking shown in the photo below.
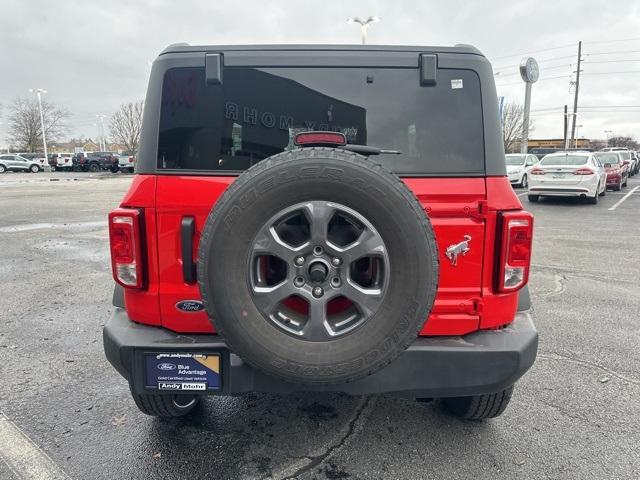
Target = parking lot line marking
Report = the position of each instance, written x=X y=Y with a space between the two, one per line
x=23 y=457
x=619 y=202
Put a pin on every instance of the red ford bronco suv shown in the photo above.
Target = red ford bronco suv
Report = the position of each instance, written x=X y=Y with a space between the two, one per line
x=321 y=218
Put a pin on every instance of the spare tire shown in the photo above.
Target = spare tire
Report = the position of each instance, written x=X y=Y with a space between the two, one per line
x=318 y=266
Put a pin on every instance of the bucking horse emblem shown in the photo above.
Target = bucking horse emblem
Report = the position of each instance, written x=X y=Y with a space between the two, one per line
x=456 y=249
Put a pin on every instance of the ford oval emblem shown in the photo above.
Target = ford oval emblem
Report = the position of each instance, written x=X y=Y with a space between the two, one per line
x=166 y=366
x=190 y=306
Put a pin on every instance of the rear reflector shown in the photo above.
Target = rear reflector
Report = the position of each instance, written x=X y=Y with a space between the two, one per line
x=584 y=171
x=515 y=254
x=126 y=247
x=320 y=138
x=537 y=171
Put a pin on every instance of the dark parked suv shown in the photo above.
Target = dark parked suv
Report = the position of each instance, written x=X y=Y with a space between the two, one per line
x=321 y=218
x=96 y=161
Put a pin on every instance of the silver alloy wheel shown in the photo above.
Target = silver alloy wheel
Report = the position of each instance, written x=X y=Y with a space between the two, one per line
x=525 y=182
x=318 y=270
x=34 y=169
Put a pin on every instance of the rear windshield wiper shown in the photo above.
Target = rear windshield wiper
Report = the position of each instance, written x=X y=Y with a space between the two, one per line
x=367 y=150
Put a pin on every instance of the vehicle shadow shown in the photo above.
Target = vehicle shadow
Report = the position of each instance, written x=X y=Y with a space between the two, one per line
x=562 y=201
x=276 y=436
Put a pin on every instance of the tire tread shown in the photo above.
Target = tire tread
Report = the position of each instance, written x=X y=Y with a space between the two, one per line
x=479 y=407
x=160 y=406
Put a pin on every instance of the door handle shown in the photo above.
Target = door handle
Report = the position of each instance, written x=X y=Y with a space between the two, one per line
x=187 y=231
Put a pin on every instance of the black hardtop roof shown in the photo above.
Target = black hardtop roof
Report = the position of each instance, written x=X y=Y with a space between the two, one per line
x=186 y=48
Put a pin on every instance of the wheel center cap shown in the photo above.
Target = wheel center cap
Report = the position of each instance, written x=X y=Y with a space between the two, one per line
x=318 y=272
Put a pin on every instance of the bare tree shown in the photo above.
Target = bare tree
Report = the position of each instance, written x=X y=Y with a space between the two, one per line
x=597 y=144
x=620 y=141
x=126 y=124
x=25 y=129
x=512 y=123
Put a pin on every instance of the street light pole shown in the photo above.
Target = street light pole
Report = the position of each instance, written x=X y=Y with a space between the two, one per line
x=103 y=145
x=529 y=71
x=578 y=127
x=39 y=92
x=364 y=25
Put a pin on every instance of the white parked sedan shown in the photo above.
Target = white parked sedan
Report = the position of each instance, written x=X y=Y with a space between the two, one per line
x=568 y=174
x=518 y=166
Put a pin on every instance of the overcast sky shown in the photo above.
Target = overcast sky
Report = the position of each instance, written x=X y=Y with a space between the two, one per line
x=92 y=56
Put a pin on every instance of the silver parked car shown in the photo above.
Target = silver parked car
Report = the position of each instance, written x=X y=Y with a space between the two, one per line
x=18 y=163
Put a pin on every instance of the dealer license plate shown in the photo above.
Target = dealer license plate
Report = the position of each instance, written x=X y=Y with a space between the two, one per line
x=182 y=371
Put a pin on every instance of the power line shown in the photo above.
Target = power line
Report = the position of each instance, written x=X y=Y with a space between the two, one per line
x=611 y=73
x=545 y=69
x=560 y=112
x=613 y=41
x=613 y=53
x=539 y=61
x=535 y=51
x=613 y=61
x=559 y=47
x=541 y=80
x=612 y=106
x=569 y=76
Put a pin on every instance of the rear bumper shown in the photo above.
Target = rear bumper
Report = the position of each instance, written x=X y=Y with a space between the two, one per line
x=481 y=362
x=562 y=191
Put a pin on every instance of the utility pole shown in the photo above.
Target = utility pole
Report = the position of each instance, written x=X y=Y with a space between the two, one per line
x=103 y=145
x=39 y=92
x=565 y=127
x=575 y=97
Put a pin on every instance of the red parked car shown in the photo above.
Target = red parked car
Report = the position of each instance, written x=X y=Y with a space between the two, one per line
x=617 y=169
x=306 y=218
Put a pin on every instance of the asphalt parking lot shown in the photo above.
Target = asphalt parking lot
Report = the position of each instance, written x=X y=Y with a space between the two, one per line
x=574 y=415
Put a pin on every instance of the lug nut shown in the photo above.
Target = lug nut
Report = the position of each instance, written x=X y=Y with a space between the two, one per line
x=298 y=281
x=318 y=292
x=336 y=262
x=299 y=261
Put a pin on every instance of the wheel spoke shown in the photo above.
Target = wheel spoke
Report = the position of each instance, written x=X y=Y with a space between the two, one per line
x=318 y=214
x=268 y=298
x=269 y=243
x=366 y=299
x=316 y=329
x=368 y=244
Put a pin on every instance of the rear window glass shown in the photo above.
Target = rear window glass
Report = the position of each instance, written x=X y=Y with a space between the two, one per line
x=256 y=113
x=607 y=158
x=625 y=155
x=515 y=159
x=568 y=160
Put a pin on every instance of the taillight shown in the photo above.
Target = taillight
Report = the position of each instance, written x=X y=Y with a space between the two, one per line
x=537 y=171
x=126 y=247
x=130 y=159
x=584 y=171
x=515 y=254
x=320 y=138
